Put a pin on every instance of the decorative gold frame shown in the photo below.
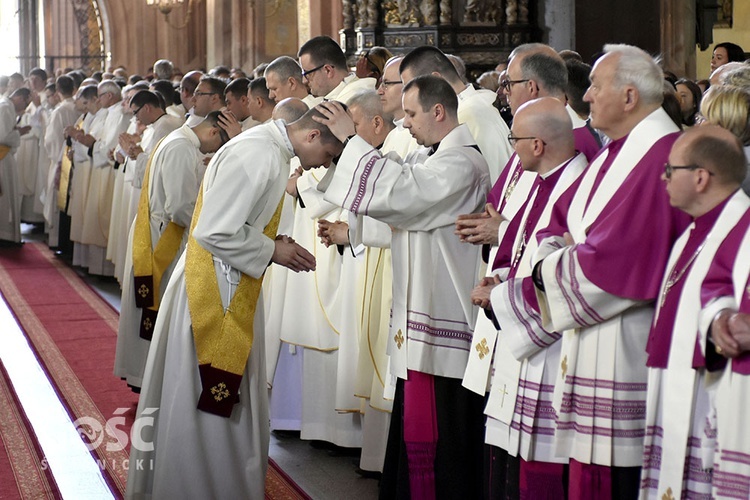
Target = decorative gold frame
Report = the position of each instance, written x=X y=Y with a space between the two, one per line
x=724 y=18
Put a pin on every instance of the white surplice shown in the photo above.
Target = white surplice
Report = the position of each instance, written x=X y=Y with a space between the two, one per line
x=433 y=272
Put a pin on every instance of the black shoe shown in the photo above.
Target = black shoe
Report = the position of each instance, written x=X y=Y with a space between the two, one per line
x=369 y=474
x=10 y=244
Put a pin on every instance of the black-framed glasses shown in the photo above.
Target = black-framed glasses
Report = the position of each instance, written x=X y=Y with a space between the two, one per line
x=308 y=72
x=387 y=83
x=204 y=93
x=507 y=84
x=513 y=139
x=135 y=113
x=668 y=169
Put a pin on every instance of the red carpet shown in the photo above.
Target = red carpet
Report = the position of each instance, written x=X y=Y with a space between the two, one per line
x=23 y=473
x=73 y=332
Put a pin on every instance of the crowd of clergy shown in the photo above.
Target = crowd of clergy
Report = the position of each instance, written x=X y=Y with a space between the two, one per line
x=531 y=286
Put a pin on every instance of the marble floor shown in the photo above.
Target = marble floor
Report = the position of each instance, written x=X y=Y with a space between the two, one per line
x=321 y=473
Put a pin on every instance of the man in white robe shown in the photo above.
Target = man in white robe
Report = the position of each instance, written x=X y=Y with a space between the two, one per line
x=64 y=115
x=597 y=283
x=10 y=223
x=284 y=80
x=326 y=296
x=237 y=114
x=399 y=140
x=259 y=104
x=369 y=240
x=221 y=449
x=98 y=207
x=706 y=168
x=121 y=190
x=325 y=72
x=520 y=419
x=475 y=107
x=83 y=139
x=28 y=157
x=172 y=191
x=433 y=274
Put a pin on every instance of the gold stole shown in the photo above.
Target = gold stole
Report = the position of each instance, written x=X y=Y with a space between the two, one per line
x=4 y=150
x=223 y=340
x=66 y=167
x=148 y=265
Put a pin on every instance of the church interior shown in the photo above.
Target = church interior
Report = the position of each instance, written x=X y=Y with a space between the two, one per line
x=67 y=423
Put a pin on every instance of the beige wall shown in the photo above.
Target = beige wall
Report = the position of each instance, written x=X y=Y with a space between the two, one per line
x=739 y=34
x=139 y=35
x=231 y=32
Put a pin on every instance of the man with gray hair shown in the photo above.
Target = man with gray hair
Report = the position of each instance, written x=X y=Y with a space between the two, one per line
x=98 y=203
x=163 y=70
x=595 y=278
x=284 y=80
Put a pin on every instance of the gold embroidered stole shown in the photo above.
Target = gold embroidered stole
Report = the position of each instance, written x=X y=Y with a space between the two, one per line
x=66 y=167
x=223 y=340
x=149 y=265
x=4 y=150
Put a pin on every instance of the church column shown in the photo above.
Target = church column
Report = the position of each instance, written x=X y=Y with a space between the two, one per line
x=218 y=32
x=678 y=37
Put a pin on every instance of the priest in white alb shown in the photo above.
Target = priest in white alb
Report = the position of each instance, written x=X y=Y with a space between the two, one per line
x=206 y=367
x=158 y=237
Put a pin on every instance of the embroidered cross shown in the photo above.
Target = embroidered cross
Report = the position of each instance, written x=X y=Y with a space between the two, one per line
x=220 y=391
x=143 y=291
x=504 y=393
x=147 y=324
x=564 y=366
x=482 y=348
x=399 y=338
x=668 y=495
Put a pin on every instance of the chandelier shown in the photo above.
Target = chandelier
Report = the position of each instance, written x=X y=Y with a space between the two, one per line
x=166 y=6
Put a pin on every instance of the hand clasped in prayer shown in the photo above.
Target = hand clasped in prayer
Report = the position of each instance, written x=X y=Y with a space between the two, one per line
x=480 y=228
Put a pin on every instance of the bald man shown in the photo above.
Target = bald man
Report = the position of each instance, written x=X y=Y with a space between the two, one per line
x=519 y=423
x=703 y=176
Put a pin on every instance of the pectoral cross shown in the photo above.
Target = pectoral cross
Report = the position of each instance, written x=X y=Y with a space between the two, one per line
x=504 y=393
x=668 y=495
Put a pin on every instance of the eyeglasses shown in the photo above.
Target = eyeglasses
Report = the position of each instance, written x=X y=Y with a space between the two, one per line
x=306 y=73
x=387 y=83
x=512 y=139
x=135 y=113
x=507 y=84
x=204 y=93
x=668 y=169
